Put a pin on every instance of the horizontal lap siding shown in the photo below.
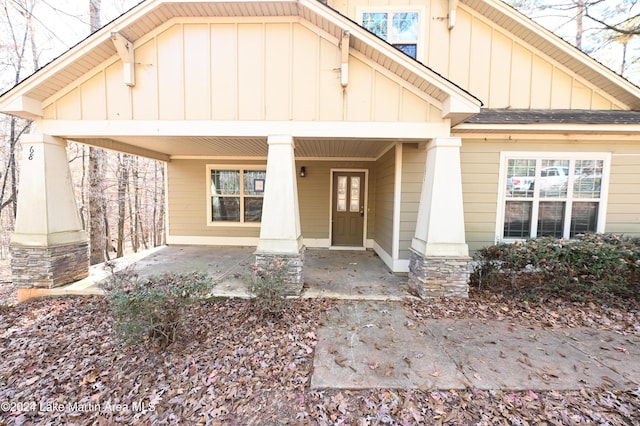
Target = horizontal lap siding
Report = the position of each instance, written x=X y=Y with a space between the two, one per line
x=623 y=214
x=480 y=166
x=384 y=190
x=314 y=195
x=480 y=160
x=187 y=201
x=413 y=163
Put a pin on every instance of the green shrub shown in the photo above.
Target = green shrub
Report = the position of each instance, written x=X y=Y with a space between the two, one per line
x=268 y=288
x=591 y=265
x=153 y=309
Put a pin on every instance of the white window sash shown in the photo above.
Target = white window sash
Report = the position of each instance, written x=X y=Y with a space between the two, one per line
x=569 y=199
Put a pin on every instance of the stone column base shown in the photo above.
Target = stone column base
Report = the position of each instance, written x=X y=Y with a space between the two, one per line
x=293 y=264
x=49 y=267
x=433 y=277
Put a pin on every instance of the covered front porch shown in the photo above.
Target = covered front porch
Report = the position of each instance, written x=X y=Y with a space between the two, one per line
x=357 y=275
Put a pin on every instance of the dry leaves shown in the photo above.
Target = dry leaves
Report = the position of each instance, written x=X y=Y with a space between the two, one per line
x=233 y=368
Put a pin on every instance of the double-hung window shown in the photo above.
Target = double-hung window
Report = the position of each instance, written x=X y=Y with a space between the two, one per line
x=552 y=194
x=235 y=194
x=399 y=28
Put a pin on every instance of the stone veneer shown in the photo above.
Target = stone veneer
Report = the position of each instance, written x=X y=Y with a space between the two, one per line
x=293 y=262
x=48 y=267
x=433 y=277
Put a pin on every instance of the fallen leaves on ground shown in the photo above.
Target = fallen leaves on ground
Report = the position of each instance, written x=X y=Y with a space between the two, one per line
x=555 y=313
x=61 y=364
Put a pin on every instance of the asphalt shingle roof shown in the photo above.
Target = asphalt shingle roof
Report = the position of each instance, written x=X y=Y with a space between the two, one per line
x=535 y=116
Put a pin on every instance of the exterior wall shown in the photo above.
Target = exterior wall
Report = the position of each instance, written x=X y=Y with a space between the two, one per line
x=480 y=169
x=278 y=70
x=314 y=192
x=493 y=64
x=623 y=214
x=187 y=201
x=413 y=161
x=384 y=193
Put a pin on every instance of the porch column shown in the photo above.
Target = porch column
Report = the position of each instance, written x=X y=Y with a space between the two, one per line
x=280 y=243
x=49 y=248
x=439 y=263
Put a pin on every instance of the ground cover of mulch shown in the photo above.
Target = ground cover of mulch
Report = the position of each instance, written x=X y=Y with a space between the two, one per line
x=60 y=363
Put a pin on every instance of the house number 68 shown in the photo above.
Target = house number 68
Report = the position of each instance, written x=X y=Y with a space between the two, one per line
x=31 y=153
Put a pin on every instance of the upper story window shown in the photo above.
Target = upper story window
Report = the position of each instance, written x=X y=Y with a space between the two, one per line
x=552 y=194
x=401 y=29
x=235 y=194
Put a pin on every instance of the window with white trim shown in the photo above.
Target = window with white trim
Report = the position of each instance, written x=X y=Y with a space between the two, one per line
x=235 y=194
x=558 y=195
x=400 y=29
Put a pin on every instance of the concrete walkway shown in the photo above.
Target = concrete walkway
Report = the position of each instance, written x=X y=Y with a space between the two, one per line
x=372 y=344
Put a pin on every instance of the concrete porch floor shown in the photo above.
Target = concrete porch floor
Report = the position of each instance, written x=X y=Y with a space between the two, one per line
x=327 y=273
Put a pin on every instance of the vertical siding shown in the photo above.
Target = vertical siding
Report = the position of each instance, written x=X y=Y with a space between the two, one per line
x=413 y=163
x=94 y=89
x=384 y=185
x=224 y=72
x=481 y=56
x=277 y=71
x=197 y=78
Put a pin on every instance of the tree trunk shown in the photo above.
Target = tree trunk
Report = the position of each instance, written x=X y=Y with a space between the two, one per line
x=96 y=207
x=580 y=11
x=123 y=179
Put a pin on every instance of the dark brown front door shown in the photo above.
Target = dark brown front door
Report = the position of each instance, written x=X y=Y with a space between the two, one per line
x=348 y=209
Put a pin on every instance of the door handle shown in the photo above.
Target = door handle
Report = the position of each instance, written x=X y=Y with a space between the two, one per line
x=362 y=211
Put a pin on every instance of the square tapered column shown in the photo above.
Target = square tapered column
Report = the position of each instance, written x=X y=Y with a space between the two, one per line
x=280 y=243
x=439 y=263
x=49 y=247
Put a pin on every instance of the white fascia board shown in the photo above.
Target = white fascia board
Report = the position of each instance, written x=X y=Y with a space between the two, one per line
x=23 y=106
x=328 y=129
x=458 y=109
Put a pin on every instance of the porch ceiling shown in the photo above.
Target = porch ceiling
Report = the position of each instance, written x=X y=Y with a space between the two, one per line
x=236 y=147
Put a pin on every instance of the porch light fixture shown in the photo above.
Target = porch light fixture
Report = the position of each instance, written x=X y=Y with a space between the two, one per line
x=303 y=171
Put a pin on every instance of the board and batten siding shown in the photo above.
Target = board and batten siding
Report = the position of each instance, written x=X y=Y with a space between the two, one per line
x=499 y=68
x=480 y=161
x=384 y=188
x=248 y=71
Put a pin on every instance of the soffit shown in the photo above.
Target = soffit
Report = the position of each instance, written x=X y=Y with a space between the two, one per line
x=561 y=51
x=252 y=147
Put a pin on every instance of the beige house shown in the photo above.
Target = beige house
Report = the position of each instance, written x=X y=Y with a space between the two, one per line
x=422 y=130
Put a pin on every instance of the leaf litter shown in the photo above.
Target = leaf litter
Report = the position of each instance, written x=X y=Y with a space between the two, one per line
x=232 y=367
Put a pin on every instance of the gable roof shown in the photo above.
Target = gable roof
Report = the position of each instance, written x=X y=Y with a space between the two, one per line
x=558 y=49
x=24 y=98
